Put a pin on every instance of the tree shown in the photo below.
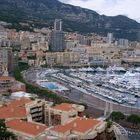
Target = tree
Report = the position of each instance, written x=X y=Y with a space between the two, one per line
x=134 y=119
x=4 y=133
x=109 y=124
x=23 y=66
x=117 y=116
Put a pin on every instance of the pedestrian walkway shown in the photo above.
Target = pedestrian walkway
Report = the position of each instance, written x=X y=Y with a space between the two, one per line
x=120 y=132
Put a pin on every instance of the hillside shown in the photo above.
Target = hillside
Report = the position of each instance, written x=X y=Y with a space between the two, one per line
x=43 y=12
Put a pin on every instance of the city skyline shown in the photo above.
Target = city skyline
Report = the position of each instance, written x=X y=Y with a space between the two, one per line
x=110 y=7
x=56 y=83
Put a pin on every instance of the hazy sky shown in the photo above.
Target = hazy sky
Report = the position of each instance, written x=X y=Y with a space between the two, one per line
x=130 y=8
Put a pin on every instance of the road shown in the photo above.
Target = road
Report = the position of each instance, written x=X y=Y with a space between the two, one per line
x=133 y=134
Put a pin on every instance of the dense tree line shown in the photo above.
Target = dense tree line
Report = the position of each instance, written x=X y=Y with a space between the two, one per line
x=41 y=92
x=133 y=118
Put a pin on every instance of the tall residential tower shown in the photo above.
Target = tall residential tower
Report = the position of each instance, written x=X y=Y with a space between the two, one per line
x=6 y=60
x=58 y=25
x=57 y=37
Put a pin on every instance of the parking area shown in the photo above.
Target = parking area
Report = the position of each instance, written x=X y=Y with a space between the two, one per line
x=133 y=134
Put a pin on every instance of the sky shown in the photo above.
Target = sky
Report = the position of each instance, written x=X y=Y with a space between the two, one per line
x=130 y=8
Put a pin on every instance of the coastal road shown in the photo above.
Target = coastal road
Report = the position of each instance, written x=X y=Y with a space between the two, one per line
x=95 y=101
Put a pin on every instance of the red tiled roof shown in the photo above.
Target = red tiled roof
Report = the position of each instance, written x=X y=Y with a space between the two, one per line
x=15 y=109
x=28 y=128
x=10 y=112
x=63 y=107
x=78 y=125
x=4 y=78
x=20 y=101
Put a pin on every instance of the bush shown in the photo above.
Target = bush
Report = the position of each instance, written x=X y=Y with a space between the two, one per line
x=134 y=119
x=117 y=116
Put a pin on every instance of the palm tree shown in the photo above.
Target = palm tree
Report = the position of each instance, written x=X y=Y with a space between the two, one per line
x=4 y=133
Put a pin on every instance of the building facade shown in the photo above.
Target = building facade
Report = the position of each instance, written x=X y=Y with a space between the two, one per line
x=9 y=84
x=57 y=43
x=6 y=60
x=62 y=122
x=61 y=114
x=62 y=58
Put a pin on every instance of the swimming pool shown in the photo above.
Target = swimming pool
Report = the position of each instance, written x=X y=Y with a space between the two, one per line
x=49 y=85
x=52 y=86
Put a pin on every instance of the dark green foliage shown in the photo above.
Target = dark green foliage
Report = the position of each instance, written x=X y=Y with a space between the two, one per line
x=23 y=66
x=134 y=119
x=84 y=104
x=117 y=116
x=109 y=124
x=41 y=13
x=4 y=133
x=17 y=75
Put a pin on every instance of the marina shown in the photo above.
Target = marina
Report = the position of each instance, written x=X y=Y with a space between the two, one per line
x=113 y=84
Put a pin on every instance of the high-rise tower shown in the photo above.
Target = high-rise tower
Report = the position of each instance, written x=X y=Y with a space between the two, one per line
x=58 y=25
x=57 y=37
x=6 y=60
x=109 y=38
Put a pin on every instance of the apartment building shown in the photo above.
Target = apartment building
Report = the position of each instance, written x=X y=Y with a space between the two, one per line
x=25 y=43
x=105 y=50
x=81 y=50
x=123 y=43
x=25 y=118
x=23 y=108
x=61 y=114
x=35 y=110
x=131 y=55
x=71 y=44
x=40 y=46
x=27 y=130
x=14 y=109
x=57 y=43
x=3 y=34
x=6 y=59
x=8 y=83
x=80 y=128
x=62 y=58
x=104 y=53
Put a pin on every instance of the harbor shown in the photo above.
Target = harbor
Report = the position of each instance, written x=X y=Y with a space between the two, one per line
x=116 y=86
